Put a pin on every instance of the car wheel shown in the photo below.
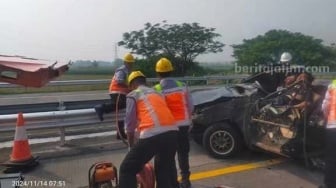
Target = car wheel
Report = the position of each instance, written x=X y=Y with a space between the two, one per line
x=222 y=141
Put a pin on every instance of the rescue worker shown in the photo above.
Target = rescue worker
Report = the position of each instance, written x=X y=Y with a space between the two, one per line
x=284 y=67
x=148 y=113
x=329 y=109
x=286 y=58
x=118 y=90
x=180 y=104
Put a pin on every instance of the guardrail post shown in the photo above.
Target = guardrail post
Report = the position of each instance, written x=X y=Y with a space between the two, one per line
x=61 y=105
x=62 y=136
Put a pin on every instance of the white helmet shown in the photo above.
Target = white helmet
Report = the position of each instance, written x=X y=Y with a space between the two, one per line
x=285 y=57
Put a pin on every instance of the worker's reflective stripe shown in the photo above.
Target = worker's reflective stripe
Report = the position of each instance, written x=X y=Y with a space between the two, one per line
x=20 y=133
x=118 y=92
x=331 y=126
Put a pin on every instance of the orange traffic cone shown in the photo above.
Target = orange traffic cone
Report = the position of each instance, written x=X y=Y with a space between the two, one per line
x=21 y=158
x=21 y=149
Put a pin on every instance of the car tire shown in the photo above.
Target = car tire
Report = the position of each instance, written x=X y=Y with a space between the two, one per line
x=222 y=141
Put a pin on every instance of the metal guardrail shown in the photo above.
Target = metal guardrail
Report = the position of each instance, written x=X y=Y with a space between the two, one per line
x=50 y=106
x=57 y=119
x=207 y=79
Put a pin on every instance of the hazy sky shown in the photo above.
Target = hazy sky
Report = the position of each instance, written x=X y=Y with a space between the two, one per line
x=89 y=29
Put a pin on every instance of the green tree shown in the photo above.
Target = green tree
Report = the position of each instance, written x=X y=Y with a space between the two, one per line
x=181 y=43
x=267 y=48
x=332 y=61
x=146 y=66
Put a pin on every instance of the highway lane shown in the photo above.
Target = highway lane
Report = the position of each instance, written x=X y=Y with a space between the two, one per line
x=247 y=170
x=34 y=98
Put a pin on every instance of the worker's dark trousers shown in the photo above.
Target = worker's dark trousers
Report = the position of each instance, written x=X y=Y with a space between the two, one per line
x=330 y=156
x=183 y=148
x=163 y=147
x=111 y=107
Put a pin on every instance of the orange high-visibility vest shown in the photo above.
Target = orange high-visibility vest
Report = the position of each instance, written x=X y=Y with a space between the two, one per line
x=117 y=88
x=153 y=115
x=331 y=106
x=176 y=99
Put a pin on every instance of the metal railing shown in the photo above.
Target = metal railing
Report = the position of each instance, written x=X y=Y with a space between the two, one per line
x=206 y=79
x=57 y=119
x=69 y=118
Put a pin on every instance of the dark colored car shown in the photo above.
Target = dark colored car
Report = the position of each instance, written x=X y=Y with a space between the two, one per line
x=256 y=114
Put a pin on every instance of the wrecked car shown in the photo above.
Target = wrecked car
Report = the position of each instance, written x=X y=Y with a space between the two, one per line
x=260 y=115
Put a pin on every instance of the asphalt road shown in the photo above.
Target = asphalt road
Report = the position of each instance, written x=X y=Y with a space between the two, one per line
x=69 y=164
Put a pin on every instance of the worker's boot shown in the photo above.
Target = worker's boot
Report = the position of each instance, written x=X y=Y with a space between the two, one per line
x=185 y=182
x=100 y=111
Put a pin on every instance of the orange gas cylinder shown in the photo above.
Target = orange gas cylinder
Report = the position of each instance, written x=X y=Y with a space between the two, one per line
x=103 y=173
x=146 y=177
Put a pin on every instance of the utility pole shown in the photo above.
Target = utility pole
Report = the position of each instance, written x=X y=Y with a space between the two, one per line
x=115 y=52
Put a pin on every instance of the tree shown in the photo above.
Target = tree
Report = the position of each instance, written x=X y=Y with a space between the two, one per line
x=332 y=61
x=267 y=48
x=181 y=43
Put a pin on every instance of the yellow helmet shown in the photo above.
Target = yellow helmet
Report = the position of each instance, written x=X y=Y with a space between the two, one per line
x=164 y=65
x=134 y=75
x=128 y=58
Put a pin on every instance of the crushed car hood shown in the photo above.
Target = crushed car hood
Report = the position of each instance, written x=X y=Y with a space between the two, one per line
x=205 y=97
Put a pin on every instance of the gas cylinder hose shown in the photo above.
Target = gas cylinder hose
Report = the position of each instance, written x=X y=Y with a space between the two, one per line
x=117 y=120
x=305 y=155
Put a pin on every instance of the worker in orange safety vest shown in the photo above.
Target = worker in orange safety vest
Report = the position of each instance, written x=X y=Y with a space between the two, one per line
x=329 y=108
x=118 y=90
x=180 y=104
x=148 y=115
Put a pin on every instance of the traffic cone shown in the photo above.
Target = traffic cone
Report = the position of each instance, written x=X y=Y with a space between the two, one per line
x=21 y=158
x=21 y=149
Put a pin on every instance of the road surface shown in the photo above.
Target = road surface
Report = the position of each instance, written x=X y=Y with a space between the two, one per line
x=69 y=164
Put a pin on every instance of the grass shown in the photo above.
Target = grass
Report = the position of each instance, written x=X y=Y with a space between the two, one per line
x=85 y=77
x=68 y=76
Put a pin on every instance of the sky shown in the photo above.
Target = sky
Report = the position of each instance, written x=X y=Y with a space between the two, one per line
x=90 y=29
